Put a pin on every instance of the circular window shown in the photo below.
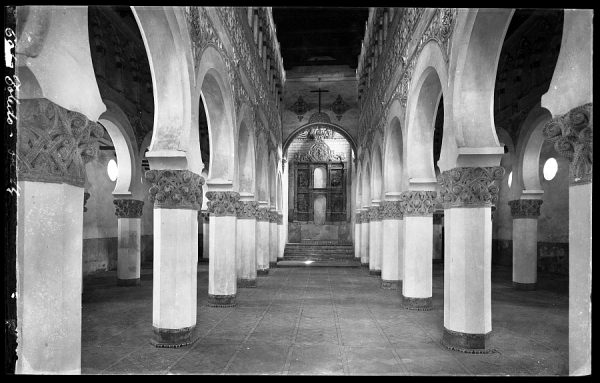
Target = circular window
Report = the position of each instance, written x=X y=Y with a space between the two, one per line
x=509 y=179
x=113 y=170
x=550 y=169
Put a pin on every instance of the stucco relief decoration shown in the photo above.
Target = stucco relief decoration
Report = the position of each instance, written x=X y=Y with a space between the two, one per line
x=128 y=208
x=418 y=203
x=273 y=217
x=358 y=218
x=572 y=135
x=470 y=186
x=53 y=143
x=175 y=189
x=319 y=152
x=222 y=203
x=374 y=213
x=392 y=210
x=525 y=208
x=300 y=107
x=247 y=209
x=263 y=214
x=339 y=107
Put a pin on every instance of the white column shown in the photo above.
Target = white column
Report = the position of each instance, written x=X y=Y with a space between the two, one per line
x=281 y=234
x=374 y=239
x=262 y=238
x=222 y=279
x=364 y=238
x=417 y=207
x=177 y=197
x=572 y=137
x=49 y=276
x=392 y=257
x=357 y=232
x=129 y=227
x=273 y=238
x=525 y=213
x=246 y=242
x=50 y=203
x=467 y=195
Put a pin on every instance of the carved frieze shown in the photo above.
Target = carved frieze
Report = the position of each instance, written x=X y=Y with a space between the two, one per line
x=572 y=135
x=392 y=210
x=273 y=216
x=247 y=209
x=175 y=189
x=280 y=219
x=53 y=143
x=418 y=203
x=319 y=152
x=358 y=218
x=222 y=203
x=525 y=208
x=128 y=208
x=374 y=213
x=470 y=186
x=263 y=214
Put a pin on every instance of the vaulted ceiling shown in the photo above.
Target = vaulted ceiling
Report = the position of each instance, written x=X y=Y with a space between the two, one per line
x=320 y=35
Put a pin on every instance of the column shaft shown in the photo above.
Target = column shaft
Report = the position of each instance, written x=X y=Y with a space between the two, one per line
x=357 y=234
x=128 y=253
x=375 y=247
x=49 y=278
x=418 y=246
x=525 y=253
x=246 y=253
x=364 y=242
x=392 y=261
x=273 y=240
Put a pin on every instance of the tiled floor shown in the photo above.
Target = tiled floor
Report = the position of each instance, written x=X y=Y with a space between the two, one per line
x=323 y=321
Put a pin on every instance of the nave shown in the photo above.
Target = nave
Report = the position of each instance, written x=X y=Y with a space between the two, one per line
x=323 y=320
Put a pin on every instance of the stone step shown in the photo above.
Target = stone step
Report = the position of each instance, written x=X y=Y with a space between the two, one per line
x=319 y=263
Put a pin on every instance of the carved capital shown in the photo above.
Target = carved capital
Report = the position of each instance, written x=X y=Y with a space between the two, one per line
x=273 y=216
x=54 y=143
x=572 y=134
x=374 y=213
x=279 y=219
x=263 y=214
x=470 y=186
x=247 y=209
x=358 y=217
x=392 y=210
x=128 y=208
x=175 y=189
x=418 y=203
x=525 y=208
x=222 y=203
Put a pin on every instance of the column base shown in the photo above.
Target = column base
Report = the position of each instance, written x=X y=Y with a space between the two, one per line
x=421 y=304
x=364 y=264
x=375 y=273
x=262 y=272
x=469 y=343
x=128 y=282
x=173 y=338
x=221 y=300
x=524 y=286
x=391 y=285
x=272 y=264
x=246 y=283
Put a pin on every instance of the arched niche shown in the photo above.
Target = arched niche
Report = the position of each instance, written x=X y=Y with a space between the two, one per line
x=392 y=164
x=262 y=169
x=272 y=180
x=279 y=193
x=320 y=177
x=336 y=128
x=376 y=172
x=366 y=182
x=167 y=42
x=246 y=164
x=421 y=120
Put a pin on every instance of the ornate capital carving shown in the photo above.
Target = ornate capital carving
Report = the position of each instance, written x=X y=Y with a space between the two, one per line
x=222 y=203
x=175 y=189
x=525 y=208
x=247 y=209
x=279 y=219
x=128 y=208
x=470 y=186
x=263 y=214
x=54 y=143
x=273 y=216
x=392 y=210
x=374 y=213
x=572 y=134
x=358 y=217
x=418 y=203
